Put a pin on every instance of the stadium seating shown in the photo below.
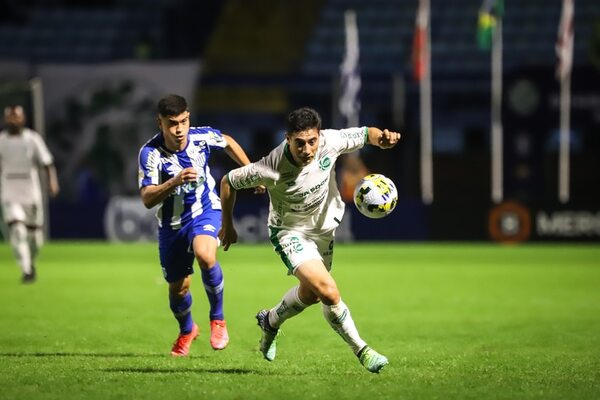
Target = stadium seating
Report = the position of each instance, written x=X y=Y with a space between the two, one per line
x=57 y=31
x=386 y=29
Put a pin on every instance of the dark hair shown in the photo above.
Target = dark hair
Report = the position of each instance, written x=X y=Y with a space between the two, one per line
x=303 y=119
x=172 y=105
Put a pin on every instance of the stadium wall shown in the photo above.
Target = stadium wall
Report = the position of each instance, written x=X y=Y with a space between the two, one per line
x=125 y=219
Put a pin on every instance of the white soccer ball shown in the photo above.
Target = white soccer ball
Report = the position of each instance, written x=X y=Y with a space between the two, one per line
x=375 y=196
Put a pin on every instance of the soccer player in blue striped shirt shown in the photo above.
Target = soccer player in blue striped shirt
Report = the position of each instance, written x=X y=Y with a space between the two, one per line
x=174 y=175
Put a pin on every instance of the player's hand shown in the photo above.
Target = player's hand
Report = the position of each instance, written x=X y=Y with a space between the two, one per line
x=187 y=175
x=227 y=236
x=388 y=139
x=260 y=189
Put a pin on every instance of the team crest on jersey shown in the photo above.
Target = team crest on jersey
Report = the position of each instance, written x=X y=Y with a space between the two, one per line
x=187 y=187
x=324 y=163
x=200 y=144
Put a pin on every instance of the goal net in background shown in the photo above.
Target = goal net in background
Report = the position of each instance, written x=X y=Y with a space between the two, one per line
x=29 y=94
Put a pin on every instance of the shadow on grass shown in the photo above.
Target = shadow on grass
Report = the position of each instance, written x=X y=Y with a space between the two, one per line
x=152 y=370
x=96 y=355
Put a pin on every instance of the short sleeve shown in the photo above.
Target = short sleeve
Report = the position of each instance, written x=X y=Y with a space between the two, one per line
x=346 y=140
x=43 y=154
x=148 y=167
x=215 y=138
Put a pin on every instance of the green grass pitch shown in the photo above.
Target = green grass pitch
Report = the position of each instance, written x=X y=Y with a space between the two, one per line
x=457 y=321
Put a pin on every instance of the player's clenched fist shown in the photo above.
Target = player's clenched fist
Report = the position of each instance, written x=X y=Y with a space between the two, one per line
x=188 y=175
x=388 y=139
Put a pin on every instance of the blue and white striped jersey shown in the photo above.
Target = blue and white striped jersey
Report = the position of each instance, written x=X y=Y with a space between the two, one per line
x=157 y=164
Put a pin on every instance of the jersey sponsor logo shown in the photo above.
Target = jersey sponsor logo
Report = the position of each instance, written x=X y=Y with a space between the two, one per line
x=188 y=187
x=311 y=190
x=309 y=206
x=324 y=163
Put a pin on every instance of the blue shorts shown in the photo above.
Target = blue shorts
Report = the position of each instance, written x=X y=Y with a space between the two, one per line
x=175 y=246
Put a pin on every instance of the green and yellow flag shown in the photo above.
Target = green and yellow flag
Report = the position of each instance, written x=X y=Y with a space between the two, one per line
x=489 y=14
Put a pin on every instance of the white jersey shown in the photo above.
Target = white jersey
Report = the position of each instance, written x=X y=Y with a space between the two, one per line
x=20 y=157
x=305 y=198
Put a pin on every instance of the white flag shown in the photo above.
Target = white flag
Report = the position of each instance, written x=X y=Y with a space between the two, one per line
x=564 y=42
x=349 y=104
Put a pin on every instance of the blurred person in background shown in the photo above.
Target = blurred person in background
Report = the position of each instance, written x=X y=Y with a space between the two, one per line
x=305 y=210
x=22 y=154
x=175 y=176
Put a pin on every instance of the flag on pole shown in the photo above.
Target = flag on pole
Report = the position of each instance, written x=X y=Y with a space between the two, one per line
x=564 y=42
x=564 y=51
x=489 y=13
x=421 y=57
x=489 y=36
x=420 y=40
x=349 y=104
x=352 y=167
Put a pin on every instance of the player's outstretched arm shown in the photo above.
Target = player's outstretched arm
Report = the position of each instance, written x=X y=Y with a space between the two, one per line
x=156 y=194
x=227 y=234
x=385 y=139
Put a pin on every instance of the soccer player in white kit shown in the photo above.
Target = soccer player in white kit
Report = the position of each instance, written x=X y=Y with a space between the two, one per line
x=22 y=153
x=305 y=209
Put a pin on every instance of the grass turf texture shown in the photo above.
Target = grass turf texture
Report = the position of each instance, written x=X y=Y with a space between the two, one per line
x=456 y=321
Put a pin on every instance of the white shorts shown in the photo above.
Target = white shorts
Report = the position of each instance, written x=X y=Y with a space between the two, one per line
x=295 y=248
x=31 y=215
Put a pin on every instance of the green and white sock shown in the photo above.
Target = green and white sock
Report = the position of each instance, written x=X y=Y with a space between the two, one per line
x=289 y=306
x=338 y=316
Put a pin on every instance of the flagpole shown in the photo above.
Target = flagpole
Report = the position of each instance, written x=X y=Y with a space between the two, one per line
x=564 y=157
x=426 y=126
x=496 y=111
x=348 y=103
x=564 y=51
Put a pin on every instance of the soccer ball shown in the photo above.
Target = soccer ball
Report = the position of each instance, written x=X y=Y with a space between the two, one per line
x=375 y=196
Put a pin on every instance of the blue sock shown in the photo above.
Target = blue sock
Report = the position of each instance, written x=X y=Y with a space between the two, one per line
x=214 y=284
x=182 y=310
